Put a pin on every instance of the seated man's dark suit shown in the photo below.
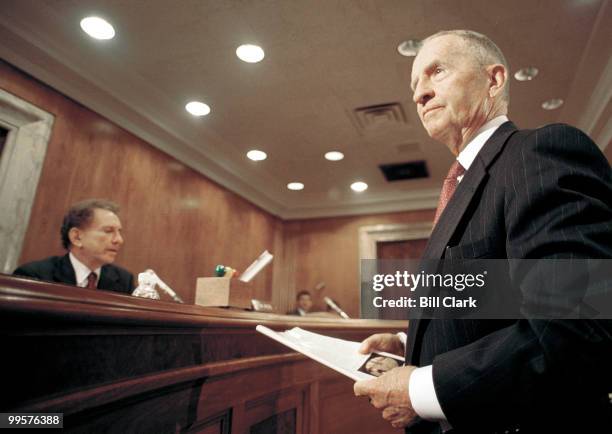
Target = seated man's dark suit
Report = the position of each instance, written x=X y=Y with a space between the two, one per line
x=545 y=193
x=59 y=269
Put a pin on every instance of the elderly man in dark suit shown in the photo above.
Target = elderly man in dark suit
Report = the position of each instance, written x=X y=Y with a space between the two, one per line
x=514 y=194
x=91 y=233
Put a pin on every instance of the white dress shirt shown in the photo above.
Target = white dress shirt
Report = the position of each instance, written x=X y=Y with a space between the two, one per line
x=81 y=271
x=421 y=386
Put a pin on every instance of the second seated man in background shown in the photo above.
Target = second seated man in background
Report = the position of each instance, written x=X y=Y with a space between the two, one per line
x=304 y=304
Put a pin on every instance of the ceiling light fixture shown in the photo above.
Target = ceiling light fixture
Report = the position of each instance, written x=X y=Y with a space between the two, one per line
x=409 y=48
x=97 y=28
x=295 y=186
x=526 y=74
x=250 y=53
x=197 y=108
x=334 y=156
x=359 y=186
x=256 y=155
x=552 y=104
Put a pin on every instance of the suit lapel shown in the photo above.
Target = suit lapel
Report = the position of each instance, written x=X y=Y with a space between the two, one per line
x=451 y=217
x=108 y=277
x=63 y=271
x=474 y=177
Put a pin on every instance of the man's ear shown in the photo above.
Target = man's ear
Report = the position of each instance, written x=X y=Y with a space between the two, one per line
x=498 y=75
x=75 y=237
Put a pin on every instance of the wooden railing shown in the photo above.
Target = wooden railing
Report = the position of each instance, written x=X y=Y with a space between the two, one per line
x=114 y=363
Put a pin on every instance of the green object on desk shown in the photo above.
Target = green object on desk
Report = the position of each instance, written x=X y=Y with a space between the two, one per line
x=220 y=270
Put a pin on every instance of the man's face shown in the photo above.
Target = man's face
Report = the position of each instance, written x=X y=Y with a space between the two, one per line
x=98 y=243
x=450 y=90
x=305 y=302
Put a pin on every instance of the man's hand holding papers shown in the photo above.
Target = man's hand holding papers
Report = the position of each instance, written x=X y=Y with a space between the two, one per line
x=389 y=393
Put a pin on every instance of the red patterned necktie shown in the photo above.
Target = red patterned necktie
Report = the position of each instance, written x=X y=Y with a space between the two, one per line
x=91 y=281
x=448 y=188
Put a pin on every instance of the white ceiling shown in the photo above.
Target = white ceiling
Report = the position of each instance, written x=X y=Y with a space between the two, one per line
x=323 y=60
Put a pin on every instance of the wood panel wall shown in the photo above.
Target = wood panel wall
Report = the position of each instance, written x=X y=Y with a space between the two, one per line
x=175 y=220
x=327 y=250
x=120 y=364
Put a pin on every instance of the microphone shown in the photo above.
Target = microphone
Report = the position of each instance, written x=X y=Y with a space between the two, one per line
x=335 y=307
x=147 y=281
x=169 y=290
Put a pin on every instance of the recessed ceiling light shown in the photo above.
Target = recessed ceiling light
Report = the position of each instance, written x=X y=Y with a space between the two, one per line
x=256 y=155
x=552 y=104
x=359 y=186
x=295 y=186
x=97 y=28
x=250 y=53
x=197 y=108
x=334 y=156
x=409 y=48
x=526 y=74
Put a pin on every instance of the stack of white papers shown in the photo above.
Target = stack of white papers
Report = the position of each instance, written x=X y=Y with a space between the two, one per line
x=340 y=355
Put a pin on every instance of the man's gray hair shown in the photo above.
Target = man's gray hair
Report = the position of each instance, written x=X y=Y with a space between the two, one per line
x=485 y=51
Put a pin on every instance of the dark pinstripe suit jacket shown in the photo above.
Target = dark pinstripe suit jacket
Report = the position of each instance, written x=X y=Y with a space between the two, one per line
x=529 y=194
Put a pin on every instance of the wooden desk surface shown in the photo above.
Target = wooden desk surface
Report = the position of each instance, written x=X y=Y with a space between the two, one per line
x=69 y=303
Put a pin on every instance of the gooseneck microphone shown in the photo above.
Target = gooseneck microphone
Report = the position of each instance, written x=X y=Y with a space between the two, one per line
x=335 y=307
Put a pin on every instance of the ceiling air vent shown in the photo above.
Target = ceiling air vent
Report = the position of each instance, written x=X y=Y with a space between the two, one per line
x=375 y=116
x=402 y=171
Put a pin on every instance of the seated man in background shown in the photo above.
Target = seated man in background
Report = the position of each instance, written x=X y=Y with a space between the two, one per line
x=91 y=233
x=304 y=304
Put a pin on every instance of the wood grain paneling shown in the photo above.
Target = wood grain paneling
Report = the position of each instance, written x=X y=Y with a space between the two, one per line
x=338 y=419
x=218 y=424
x=175 y=220
x=112 y=364
x=327 y=250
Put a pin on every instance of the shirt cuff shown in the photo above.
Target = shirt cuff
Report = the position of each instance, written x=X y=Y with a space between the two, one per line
x=423 y=395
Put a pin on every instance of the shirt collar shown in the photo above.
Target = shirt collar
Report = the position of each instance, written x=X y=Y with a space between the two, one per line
x=81 y=271
x=469 y=153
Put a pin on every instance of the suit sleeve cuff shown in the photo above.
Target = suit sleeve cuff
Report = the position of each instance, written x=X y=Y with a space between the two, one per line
x=423 y=395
